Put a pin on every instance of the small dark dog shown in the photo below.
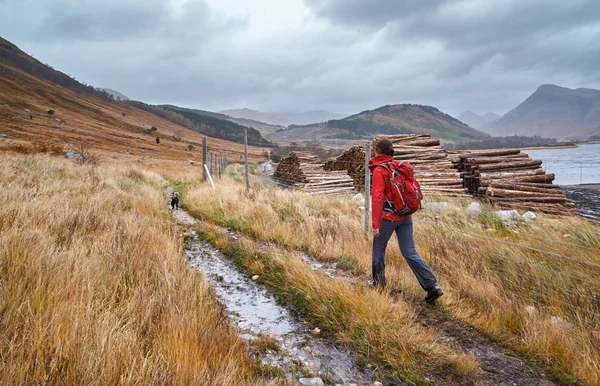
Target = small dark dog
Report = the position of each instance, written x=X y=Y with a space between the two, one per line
x=175 y=200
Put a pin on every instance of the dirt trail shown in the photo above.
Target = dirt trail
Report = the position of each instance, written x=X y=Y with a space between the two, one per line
x=256 y=314
x=499 y=366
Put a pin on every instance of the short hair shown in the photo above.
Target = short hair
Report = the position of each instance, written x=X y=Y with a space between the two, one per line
x=385 y=146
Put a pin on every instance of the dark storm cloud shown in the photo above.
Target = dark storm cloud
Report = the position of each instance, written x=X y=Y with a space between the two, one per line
x=341 y=55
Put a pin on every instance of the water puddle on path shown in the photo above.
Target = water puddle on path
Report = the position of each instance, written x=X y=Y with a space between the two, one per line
x=256 y=314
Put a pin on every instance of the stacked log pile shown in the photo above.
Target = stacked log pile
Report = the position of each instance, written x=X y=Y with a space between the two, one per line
x=353 y=162
x=304 y=171
x=512 y=180
x=433 y=168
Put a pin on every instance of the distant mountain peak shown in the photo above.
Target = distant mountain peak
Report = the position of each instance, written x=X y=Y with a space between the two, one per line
x=553 y=112
x=477 y=121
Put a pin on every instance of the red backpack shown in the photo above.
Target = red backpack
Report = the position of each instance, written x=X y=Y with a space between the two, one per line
x=406 y=191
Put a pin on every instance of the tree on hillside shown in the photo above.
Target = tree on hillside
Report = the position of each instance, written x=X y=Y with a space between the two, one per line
x=157 y=140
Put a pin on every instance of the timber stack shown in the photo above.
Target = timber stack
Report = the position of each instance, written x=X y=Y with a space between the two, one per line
x=304 y=171
x=433 y=166
x=512 y=180
x=353 y=162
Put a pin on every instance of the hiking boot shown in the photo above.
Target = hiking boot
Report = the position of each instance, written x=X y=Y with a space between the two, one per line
x=433 y=294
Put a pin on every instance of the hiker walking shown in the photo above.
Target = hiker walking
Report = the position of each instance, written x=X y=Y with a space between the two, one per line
x=396 y=196
x=175 y=200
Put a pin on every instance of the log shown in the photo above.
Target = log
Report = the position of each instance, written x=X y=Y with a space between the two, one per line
x=496 y=192
x=510 y=165
x=440 y=181
x=545 y=178
x=549 y=199
x=526 y=188
x=491 y=160
x=490 y=153
x=517 y=173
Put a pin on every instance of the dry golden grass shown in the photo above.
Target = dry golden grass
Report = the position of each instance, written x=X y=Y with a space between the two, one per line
x=489 y=284
x=93 y=286
x=379 y=331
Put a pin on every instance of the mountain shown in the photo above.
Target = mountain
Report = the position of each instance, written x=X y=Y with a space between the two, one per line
x=477 y=121
x=390 y=119
x=42 y=108
x=283 y=118
x=117 y=95
x=553 y=112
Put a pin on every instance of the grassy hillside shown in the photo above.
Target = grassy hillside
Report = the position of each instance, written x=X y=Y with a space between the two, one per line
x=83 y=115
x=219 y=125
x=553 y=112
x=94 y=289
x=391 y=119
x=508 y=281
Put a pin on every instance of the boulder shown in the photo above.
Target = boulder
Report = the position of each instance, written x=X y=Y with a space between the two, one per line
x=311 y=382
x=507 y=214
x=189 y=162
x=474 y=207
x=72 y=155
x=529 y=216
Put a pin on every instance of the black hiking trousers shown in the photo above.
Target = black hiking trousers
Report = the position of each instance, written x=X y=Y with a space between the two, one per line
x=175 y=203
x=406 y=241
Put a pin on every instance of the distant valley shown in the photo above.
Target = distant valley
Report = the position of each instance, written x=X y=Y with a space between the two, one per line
x=283 y=118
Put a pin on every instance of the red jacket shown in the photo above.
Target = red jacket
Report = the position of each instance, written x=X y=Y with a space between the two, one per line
x=381 y=189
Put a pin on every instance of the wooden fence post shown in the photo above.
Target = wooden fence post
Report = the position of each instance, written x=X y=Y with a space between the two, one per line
x=204 y=154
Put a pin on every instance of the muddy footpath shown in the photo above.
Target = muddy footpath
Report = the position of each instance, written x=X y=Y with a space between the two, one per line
x=255 y=313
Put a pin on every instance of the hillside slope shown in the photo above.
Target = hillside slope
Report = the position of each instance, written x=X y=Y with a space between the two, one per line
x=553 y=112
x=83 y=115
x=390 y=119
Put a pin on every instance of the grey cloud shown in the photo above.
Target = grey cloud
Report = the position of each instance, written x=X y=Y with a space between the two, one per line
x=343 y=55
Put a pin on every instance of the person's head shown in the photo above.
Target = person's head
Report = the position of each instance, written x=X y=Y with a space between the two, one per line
x=384 y=146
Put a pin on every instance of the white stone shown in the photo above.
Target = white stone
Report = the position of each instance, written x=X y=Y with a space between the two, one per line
x=436 y=205
x=377 y=383
x=144 y=158
x=3 y=136
x=558 y=320
x=255 y=277
x=26 y=110
x=529 y=216
x=359 y=197
x=72 y=155
x=507 y=214
x=566 y=235
x=316 y=331
x=474 y=207
x=189 y=162
x=530 y=310
x=311 y=382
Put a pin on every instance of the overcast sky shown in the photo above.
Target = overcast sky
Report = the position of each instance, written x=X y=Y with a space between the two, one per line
x=294 y=55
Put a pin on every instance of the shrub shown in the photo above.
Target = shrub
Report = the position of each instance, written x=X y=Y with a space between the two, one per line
x=190 y=147
x=157 y=140
x=275 y=157
x=51 y=112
